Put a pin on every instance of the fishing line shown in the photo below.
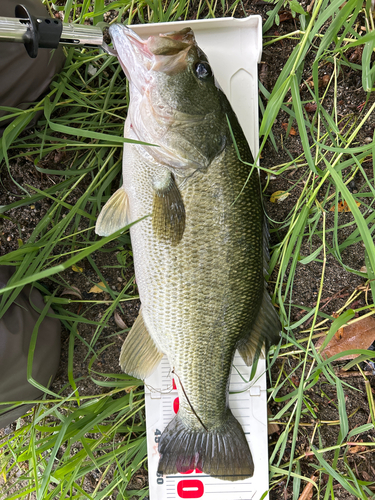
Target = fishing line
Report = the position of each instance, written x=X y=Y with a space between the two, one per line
x=187 y=399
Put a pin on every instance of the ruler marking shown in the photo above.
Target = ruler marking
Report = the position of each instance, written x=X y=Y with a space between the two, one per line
x=200 y=476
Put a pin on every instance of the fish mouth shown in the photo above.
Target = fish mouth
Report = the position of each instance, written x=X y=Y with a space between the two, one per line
x=165 y=52
x=132 y=53
x=153 y=117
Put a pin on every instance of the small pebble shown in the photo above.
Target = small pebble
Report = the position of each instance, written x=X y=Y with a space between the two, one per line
x=368 y=140
x=91 y=70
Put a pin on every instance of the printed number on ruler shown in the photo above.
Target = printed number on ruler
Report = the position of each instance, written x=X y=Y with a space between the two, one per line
x=159 y=479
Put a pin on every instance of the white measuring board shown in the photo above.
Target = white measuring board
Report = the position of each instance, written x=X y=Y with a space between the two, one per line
x=248 y=402
x=234 y=48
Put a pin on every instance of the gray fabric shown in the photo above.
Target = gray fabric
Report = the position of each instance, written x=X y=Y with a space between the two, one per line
x=22 y=79
x=16 y=327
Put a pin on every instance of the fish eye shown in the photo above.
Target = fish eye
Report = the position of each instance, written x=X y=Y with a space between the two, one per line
x=203 y=70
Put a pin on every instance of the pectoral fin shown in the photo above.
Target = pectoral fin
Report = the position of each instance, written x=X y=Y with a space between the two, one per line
x=139 y=355
x=114 y=214
x=168 y=211
x=264 y=331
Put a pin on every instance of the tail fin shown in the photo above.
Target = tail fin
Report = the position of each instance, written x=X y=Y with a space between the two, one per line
x=222 y=452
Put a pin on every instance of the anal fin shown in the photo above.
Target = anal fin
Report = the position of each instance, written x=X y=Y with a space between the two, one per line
x=139 y=355
x=264 y=331
x=114 y=214
x=168 y=211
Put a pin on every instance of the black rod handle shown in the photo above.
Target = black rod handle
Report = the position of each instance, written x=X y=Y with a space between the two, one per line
x=41 y=32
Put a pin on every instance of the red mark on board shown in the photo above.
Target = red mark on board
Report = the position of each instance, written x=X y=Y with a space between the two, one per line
x=176 y=404
x=190 y=488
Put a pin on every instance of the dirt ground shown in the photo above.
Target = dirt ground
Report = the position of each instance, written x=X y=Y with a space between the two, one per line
x=338 y=283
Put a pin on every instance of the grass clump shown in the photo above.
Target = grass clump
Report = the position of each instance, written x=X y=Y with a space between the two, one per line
x=333 y=155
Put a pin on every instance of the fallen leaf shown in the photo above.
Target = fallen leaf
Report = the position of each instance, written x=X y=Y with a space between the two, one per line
x=295 y=380
x=20 y=242
x=285 y=16
x=310 y=6
x=357 y=448
x=340 y=333
x=307 y=492
x=59 y=155
x=76 y=292
x=366 y=476
x=358 y=335
x=279 y=196
x=96 y=288
x=292 y=131
x=356 y=56
x=77 y=269
x=130 y=389
x=323 y=82
x=272 y=426
x=343 y=207
x=311 y=107
x=119 y=321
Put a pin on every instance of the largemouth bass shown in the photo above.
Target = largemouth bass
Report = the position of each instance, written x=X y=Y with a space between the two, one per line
x=200 y=254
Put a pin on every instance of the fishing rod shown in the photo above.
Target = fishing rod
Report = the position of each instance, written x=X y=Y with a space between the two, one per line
x=37 y=32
